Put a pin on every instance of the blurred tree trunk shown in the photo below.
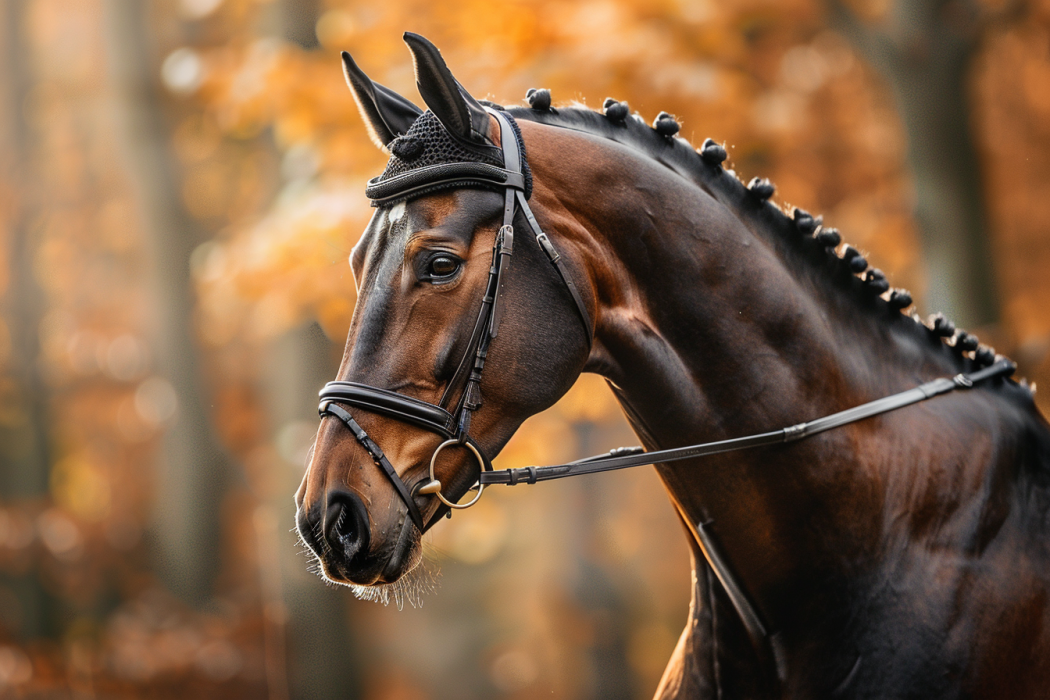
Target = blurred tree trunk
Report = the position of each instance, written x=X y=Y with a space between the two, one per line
x=192 y=467
x=321 y=658
x=24 y=439
x=924 y=50
x=299 y=21
x=320 y=653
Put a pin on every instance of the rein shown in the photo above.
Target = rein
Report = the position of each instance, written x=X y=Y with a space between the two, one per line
x=627 y=457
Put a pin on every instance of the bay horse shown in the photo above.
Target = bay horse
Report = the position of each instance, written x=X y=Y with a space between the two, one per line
x=903 y=555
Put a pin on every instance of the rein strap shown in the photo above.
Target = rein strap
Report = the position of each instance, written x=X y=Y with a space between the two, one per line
x=627 y=457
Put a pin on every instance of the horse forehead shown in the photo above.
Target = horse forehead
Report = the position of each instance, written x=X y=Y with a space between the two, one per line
x=370 y=245
x=381 y=250
x=450 y=208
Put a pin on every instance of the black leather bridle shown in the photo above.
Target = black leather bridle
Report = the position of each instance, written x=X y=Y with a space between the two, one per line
x=453 y=425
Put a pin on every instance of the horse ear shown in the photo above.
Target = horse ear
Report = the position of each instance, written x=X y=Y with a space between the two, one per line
x=386 y=113
x=454 y=107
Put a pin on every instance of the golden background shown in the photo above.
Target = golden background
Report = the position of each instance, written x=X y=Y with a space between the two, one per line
x=181 y=182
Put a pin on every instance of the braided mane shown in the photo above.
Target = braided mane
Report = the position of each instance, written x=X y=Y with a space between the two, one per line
x=797 y=233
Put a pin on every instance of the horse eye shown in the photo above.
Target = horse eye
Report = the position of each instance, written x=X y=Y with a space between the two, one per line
x=442 y=266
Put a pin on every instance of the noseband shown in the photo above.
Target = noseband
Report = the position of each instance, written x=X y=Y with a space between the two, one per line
x=452 y=425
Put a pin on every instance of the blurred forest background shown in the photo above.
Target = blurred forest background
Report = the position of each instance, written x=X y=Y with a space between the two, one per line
x=181 y=182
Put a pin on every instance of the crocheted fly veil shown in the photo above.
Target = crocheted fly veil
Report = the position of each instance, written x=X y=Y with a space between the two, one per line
x=427 y=158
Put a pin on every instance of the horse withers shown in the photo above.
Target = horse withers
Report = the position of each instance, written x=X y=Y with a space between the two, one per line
x=903 y=555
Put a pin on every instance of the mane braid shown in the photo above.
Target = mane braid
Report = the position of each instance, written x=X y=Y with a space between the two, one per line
x=798 y=236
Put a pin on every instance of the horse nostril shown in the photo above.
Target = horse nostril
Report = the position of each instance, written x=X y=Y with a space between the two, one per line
x=346 y=523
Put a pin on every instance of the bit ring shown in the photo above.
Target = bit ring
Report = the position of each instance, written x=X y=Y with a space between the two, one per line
x=433 y=461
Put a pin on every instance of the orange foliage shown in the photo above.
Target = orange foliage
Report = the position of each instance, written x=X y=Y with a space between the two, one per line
x=270 y=160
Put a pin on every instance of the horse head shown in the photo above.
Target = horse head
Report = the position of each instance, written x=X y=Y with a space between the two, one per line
x=436 y=288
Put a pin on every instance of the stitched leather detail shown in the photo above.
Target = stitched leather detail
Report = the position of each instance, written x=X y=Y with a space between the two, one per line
x=389 y=403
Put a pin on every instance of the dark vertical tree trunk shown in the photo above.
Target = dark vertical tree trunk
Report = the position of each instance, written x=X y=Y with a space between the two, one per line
x=319 y=640
x=320 y=649
x=192 y=469
x=299 y=21
x=923 y=49
x=24 y=438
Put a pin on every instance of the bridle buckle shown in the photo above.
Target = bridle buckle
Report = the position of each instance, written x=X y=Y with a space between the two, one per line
x=548 y=247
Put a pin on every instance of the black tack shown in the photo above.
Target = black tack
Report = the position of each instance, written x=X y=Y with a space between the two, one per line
x=666 y=125
x=761 y=188
x=858 y=263
x=876 y=281
x=713 y=153
x=900 y=299
x=942 y=326
x=985 y=356
x=849 y=252
x=539 y=99
x=828 y=237
x=616 y=111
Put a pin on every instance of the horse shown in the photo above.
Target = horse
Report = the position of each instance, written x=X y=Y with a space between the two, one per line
x=903 y=555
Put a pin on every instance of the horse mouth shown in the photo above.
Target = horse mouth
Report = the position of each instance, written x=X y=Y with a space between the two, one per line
x=395 y=566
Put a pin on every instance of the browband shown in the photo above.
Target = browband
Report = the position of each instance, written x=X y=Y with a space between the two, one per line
x=429 y=177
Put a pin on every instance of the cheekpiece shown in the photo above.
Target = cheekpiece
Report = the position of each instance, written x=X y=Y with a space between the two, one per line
x=427 y=158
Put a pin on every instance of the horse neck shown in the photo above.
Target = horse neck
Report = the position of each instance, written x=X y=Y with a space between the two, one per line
x=711 y=324
x=713 y=321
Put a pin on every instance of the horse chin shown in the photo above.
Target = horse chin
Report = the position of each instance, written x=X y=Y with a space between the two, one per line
x=407 y=552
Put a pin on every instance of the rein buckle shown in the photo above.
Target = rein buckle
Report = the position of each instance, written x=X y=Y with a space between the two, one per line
x=548 y=247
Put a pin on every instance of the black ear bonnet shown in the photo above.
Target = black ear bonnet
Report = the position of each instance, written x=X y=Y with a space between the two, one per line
x=427 y=158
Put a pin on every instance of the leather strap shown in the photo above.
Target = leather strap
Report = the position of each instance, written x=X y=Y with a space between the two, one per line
x=559 y=265
x=415 y=182
x=378 y=457
x=625 y=458
x=403 y=408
